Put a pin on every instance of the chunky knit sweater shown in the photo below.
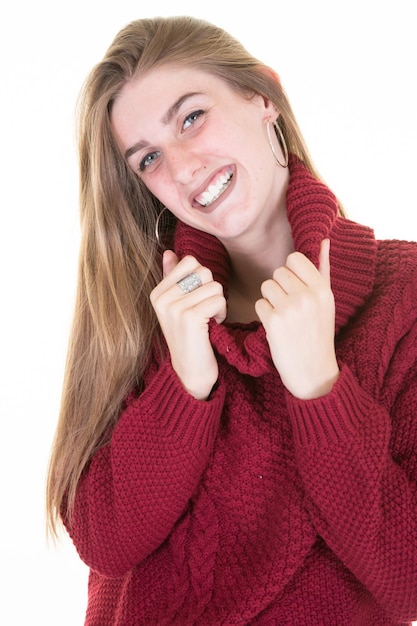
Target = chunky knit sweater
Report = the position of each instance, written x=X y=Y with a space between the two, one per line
x=255 y=507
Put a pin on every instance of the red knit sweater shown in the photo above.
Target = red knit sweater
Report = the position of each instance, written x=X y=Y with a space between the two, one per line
x=255 y=507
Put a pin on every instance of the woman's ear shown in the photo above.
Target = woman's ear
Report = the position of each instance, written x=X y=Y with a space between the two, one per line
x=271 y=74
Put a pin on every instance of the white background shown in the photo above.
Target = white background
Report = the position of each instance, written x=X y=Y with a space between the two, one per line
x=349 y=69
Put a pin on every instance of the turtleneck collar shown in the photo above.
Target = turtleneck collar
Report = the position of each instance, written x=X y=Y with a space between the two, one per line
x=312 y=212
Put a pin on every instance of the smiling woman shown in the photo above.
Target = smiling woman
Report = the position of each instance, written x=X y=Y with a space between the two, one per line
x=191 y=151
x=237 y=437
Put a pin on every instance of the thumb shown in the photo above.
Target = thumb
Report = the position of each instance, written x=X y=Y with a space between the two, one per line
x=324 y=260
x=169 y=261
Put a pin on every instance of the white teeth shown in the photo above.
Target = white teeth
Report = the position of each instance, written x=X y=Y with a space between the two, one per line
x=214 y=190
x=206 y=197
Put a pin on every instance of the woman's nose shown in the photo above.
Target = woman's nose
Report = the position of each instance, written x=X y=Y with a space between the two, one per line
x=183 y=163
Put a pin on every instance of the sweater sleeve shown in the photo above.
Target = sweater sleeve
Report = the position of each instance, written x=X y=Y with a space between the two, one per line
x=358 y=461
x=138 y=486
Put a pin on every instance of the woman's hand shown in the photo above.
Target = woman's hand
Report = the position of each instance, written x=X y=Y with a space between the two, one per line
x=184 y=319
x=298 y=313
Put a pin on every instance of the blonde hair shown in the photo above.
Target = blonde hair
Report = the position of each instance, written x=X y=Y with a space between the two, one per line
x=114 y=326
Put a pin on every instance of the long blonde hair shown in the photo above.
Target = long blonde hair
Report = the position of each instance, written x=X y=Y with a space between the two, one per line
x=114 y=326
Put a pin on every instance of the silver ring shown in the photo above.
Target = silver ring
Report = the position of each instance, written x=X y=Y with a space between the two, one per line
x=190 y=282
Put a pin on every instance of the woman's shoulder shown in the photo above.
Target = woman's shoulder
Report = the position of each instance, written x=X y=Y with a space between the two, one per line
x=397 y=261
x=396 y=276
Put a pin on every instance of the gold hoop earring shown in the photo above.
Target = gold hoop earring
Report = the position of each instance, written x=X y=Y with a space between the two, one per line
x=158 y=219
x=281 y=140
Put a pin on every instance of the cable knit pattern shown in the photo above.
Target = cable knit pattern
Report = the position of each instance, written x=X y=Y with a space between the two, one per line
x=256 y=507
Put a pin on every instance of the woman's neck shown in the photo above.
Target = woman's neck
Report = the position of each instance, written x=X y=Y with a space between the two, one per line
x=251 y=265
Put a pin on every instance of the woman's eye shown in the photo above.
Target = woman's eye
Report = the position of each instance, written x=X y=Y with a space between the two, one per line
x=191 y=119
x=148 y=160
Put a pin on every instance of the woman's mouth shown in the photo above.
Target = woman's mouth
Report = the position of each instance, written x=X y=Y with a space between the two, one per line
x=216 y=188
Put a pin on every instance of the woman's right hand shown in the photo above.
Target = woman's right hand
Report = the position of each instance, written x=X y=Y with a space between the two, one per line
x=184 y=319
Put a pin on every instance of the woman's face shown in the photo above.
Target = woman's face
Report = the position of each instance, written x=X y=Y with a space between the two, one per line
x=200 y=148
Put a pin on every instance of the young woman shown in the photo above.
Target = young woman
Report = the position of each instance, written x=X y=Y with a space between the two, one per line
x=237 y=441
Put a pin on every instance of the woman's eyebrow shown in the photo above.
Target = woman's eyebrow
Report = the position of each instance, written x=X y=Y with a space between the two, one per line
x=176 y=106
x=137 y=146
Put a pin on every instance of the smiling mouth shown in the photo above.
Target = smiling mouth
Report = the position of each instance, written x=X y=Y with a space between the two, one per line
x=215 y=189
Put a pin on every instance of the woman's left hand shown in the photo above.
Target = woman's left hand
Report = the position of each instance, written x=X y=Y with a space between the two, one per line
x=297 y=311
